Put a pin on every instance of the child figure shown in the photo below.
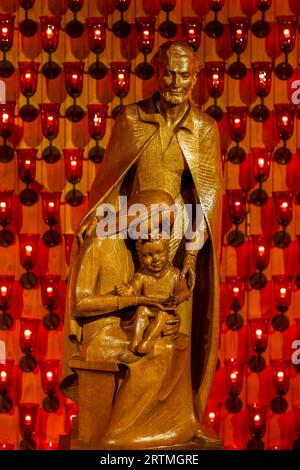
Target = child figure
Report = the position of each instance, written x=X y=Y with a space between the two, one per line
x=156 y=278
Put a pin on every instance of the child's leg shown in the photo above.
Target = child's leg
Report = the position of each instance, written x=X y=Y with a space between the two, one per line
x=141 y=321
x=152 y=332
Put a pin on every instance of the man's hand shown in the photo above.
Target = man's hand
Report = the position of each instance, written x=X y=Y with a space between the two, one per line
x=86 y=229
x=189 y=267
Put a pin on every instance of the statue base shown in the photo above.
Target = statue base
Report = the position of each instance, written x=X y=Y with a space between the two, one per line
x=78 y=444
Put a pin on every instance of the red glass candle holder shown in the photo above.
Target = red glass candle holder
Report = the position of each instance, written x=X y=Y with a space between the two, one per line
x=257 y=425
x=237 y=199
x=27 y=26
x=28 y=257
x=6 y=289
x=145 y=29
x=234 y=383
x=7 y=113
x=27 y=424
x=285 y=128
x=261 y=28
x=69 y=239
x=168 y=29
x=6 y=42
x=71 y=414
x=121 y=28
x=74 y=85
x=50 y=27
x=283 y=203
x=50 y=289
x=74 y=28
x=28 y=86
x=50 y=114
x=261 y=258
x=26 y=171
x=237 y=121
x=49 y=380
x=120 y=81
x=281 y=384
x=191 y=27
x=73 y=168
x=215 y=87
x=261 y=160
x=50 y=211
x=6 y=369
x=283 y=295
x=262 y=74
x=213 y=415
x=239 y=39
x=258 y=330
x=296 y=411
x=287 y=29
x=297 y=278
x=214 y=29
x=6 y=211
x=97 y=41
x=28 y=336
x=97 y=114
x=236 y=300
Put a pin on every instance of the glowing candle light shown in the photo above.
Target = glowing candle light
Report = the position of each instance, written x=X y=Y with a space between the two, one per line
x=285 y=120
x=280 y=376
x=28 y=250
x=5 y=118
x=212 y=417
x=28 y=420
x=261 y=250
x=258 y=333
x=286 y=33
x=261 y=162
x=3 y=291
x=257 y=420
x=215 y=79
x=282 y=292
x=233 y=377
x=49 y=376
x=3 y=376
x=3 y=206
x=239 y=33
x=27 y=334
x=50 y=32
x=5 y=32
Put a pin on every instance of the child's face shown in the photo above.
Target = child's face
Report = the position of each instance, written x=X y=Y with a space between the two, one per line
x=154 y=255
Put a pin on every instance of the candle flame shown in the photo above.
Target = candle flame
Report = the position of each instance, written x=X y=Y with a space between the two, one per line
x=27 y=334
x=286 y=33
x=261 y=250
x=3 y=290
x=5 y=117
x=280 y=376
x=28 y=419
x=3 y=376
x=284 y=205
x=259 y=333
x=237 y=121
x=212 y=416
x=49 y=375
x=3 y=205
x=51 y=204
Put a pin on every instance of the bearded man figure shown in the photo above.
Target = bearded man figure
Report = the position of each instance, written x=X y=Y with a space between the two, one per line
x=161 y=149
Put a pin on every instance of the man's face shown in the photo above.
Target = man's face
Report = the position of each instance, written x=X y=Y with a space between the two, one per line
x=177 y=77
x=154 y=255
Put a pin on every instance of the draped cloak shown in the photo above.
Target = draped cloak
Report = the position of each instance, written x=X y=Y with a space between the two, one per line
x=197 y=135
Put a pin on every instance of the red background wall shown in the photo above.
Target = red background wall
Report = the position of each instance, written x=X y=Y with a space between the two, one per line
x=51 y=177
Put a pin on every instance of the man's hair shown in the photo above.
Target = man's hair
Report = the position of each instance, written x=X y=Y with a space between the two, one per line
x=180 y=48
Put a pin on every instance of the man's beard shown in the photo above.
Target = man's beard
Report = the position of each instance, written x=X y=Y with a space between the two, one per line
x=173 y=99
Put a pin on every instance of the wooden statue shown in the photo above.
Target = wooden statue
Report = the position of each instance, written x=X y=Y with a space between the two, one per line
x=137 y=389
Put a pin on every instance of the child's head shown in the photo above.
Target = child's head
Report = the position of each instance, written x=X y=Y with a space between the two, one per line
x=153 y=253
